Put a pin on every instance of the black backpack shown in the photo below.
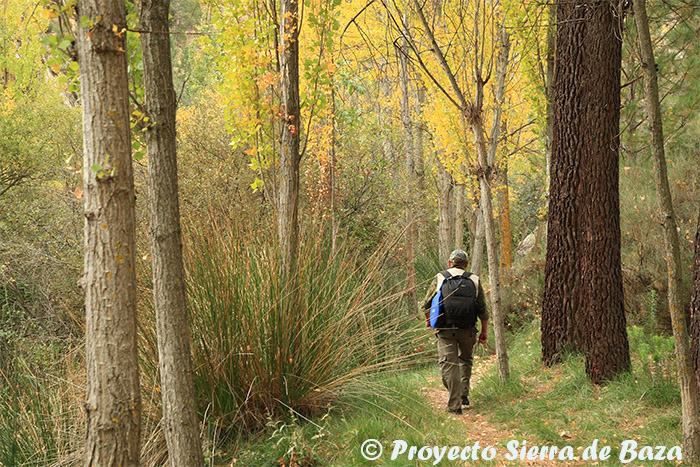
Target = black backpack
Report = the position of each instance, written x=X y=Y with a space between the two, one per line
x=458 y=306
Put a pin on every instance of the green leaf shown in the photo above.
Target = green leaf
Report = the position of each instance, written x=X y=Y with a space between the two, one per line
x=96 y=167
x=74 y=66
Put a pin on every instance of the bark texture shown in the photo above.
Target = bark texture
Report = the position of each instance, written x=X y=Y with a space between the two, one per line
x=472 y=113
x=695 y=308
x=486 y=157
x=505 y=234
x=409 y=149
x=290 y=157
x=445 y=213
x=180 y=420
x=459 y=215
x=113 y=400
x=479 y=240
x=583 y=306
x=686 y=377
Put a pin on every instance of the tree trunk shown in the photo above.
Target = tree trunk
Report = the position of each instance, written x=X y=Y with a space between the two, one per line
x=551 y=47
x=290 y=158
x=486 y=159
x=607 y=349
x=332 y=177
x=506 y=250
x=180 y=420
x=686 y=378
x=583 y=278
x=418 y=162
x=459 y=215
x=445 y=211
x=695 y=308
x=410 y=165
x=479 y=240
x=113 y=405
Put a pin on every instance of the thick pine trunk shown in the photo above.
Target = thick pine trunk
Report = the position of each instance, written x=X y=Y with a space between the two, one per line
x=180 y=420
x=695 y=308
x=113 y=406
x=445 y=212
x=583 y=279
x=290 y=158
x=686 y=378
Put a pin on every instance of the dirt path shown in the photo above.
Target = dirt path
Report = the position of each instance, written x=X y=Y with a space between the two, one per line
x=478 y=425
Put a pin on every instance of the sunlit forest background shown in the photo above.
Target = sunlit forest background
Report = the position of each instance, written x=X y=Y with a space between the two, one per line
x=385 y=158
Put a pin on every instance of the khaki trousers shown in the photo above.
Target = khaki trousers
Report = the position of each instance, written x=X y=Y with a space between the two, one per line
x=455 y=352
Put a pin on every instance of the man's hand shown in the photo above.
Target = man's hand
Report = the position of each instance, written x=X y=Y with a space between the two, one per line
x=483 y=337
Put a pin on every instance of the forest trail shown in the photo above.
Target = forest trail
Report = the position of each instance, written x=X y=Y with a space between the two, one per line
x=478 y=425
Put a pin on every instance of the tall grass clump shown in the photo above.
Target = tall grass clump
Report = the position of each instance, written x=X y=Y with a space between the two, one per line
x=38 y=412
x=265 y=345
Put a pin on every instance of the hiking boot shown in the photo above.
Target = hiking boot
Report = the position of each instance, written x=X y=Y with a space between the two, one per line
x=465 y=401
x=455 y=411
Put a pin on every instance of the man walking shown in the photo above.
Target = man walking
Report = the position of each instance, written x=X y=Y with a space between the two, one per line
x=462 y=302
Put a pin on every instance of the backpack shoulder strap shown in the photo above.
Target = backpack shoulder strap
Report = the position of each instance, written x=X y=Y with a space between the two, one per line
x=474 y=278
x=439 y=281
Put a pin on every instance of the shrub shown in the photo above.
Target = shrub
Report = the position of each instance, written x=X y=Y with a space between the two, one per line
x=265 y=345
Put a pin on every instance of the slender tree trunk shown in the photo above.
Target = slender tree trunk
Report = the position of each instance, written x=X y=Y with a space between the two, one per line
x=459 y=215
x=113 y=405
x=632 y=123
x=445 y=212
x=686 y=378
x=551 y=47
x=472 y=119
x=419 y=164
x=486 y=159
x=506 y=250
x=290 y=157
x=410 y=165
x=180 y=420
x=479 y=240
x=332 y=177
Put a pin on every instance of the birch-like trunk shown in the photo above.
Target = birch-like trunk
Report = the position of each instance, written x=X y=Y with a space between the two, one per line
x=479 y=240
x=459 y=215
x=113 y=407
x=506 y=250
x=486 y=159
x=445 y=212
x=410 y=166
x=686 y=377
x=290 y=157
x=332 y=176
x=180 y=420
x=472 y=120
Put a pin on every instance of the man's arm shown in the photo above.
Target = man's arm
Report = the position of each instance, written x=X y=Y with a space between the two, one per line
x=428 y=300
x=484 y=336
x=483 y=314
